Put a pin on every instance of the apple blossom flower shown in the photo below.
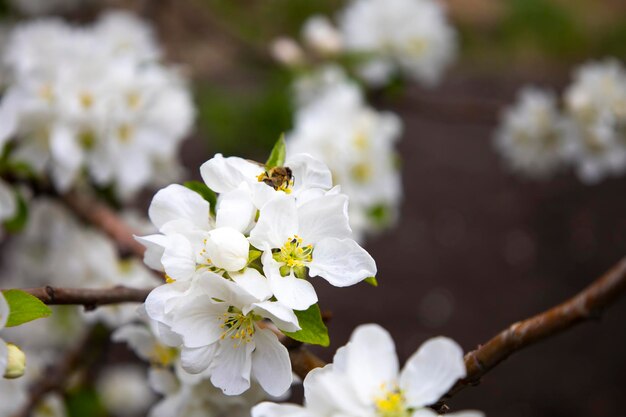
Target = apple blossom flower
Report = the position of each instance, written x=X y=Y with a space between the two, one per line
x=313 y=239
x=380 y=389
x=596 y=102
x=215 y=321
x=411 y=36
x=320 y=34
x=124 y=390
x=533 y=136
x=357 y=143
x=96 y=98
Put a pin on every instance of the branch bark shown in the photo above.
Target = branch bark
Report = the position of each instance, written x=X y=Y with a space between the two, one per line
x=90 y=298
x=586 y=305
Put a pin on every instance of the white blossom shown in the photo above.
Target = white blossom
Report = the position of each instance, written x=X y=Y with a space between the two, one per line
x=96 y=98
x=380 y=389
x=320 y=34
x=216 y=321
x=533 y=135
x=412 y=36
x=596 y=101
x=124 y=390
x=357 y=143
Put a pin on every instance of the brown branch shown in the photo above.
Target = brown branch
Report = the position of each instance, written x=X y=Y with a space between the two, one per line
x=587 y=304
x=102 y=217
x=90 y=298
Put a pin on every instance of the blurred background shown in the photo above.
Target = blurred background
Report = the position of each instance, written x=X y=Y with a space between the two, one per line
x=476 y=248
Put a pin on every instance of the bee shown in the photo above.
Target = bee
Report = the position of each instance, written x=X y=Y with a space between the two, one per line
x=279 y=178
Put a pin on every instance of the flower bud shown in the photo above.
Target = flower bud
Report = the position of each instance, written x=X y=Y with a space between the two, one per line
x=322 y=36
x=287 y=52
x=228 y=249
x=16 y=363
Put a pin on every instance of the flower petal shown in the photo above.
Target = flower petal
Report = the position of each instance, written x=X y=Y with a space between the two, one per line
x=324 y=217
x=196 y=319
x=227 y=248
x=235 y=209
x=268 y=409
x=254 y=283
x=196 y=360
x=372 y=345
x=179 y=260
x=270 y=363
x=432 y=371
x=278 y=221
x=342 y=262
x=225 y=174
x=231 y=369
x=177 y=202
x=155 y=246
x=282 y=316
x=331 y=393
x=309 y=172
x=295 y=293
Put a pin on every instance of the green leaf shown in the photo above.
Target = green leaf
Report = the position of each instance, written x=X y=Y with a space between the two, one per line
x=313 y=330
x=372 y=281
x=18 y=222
x=202 y=189
x=24 y=307
x=277 y=157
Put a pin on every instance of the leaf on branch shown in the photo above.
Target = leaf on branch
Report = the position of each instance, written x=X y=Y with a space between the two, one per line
x=277 y=157
x=204 y=191
x=372 y=281
x=24 y=307
x=313 y=330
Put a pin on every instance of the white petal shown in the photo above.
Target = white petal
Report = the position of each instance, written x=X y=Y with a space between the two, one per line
x=425 y=412
x=270 y=363
x=4 y=311
x=235 y=209
x=268 y=409
x=372 y=345
x=284 y=317
x=342 y=262
x=295 y=293
x=4 y=357
x=162 y=381
x=179 y=260
x=231 y=369
x=331 y=393
x=177 y=202
x=324 y=217
x=197 y=320
x=432 y=371
x=155 y=246
x=309 y=172
x=138 y=337
x=227 y=248
x=278 y=221
x=225 y=174
x=254 y=283
x=196 y=360
x=158 y=302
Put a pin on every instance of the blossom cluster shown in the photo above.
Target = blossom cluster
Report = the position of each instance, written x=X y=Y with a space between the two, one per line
x=244 y=261
x=538 y=139
x=333 y=123
x=364 y=380
x=93 y=99
x=383 y=37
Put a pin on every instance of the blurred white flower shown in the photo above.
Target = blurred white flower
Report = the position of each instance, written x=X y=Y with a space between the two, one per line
x=348 y=388
x=287 y=52
x=96 y=98
x=124 y=390
x=596 y=102
x=410 y=36
x=356 y=142
x=533 y=135
x=320 y=35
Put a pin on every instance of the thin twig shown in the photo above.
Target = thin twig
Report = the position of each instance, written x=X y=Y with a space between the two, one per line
x=588 y=304
x=90 y=298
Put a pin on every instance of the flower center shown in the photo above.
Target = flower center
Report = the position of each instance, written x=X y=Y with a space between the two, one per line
x=294 y=256
x=237 y=326
x=391 y=404
x=163 y=355
x=279 y=178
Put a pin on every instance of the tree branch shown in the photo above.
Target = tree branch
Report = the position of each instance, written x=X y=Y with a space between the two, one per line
x=90 y=298
x=588 y=304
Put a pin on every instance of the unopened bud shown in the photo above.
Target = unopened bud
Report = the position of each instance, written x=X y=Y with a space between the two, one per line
x=320 y=34
x=16 y=364
x=287 y=52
